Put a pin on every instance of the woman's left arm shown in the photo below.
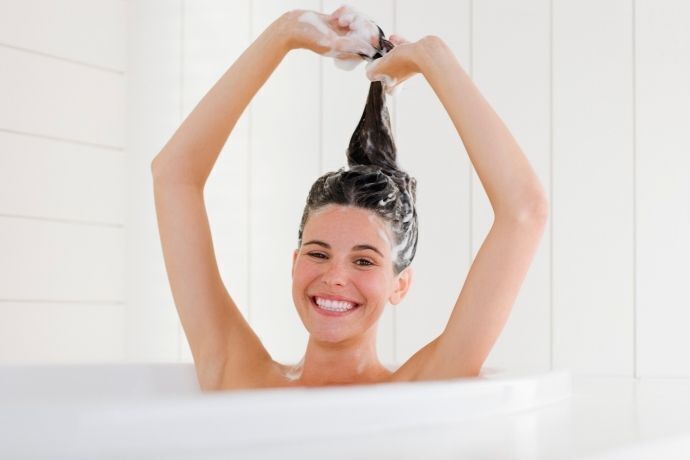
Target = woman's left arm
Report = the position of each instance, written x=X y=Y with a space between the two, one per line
x=520 y=210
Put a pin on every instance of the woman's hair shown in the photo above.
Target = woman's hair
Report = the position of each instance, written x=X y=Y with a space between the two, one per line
x=373 y=180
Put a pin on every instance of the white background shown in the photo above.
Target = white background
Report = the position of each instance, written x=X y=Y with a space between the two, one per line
x=595 y=93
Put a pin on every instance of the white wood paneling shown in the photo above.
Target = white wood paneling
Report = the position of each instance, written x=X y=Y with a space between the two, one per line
x=60 y=180
x=216 y=33
x=61 y=333
x=153 y=114
x=343 y=97
x=510 y=65
x=593 y=187
x=284 y=162
x=662 y=168
x=309 y=105
x=431 y=150
x=56 y=98
x=80 y=30
x=45 y=260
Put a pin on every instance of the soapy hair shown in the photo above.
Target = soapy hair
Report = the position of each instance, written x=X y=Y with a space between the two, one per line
x=373 y=180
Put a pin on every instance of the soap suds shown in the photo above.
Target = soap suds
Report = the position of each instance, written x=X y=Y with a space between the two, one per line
x=357 y=40
x=295 y=372
x=347 y=64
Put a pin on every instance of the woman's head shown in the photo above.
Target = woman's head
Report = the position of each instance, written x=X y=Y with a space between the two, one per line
x=358 y=232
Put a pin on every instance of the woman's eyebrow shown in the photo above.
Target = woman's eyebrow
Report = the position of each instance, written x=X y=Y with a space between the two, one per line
x=358 y=247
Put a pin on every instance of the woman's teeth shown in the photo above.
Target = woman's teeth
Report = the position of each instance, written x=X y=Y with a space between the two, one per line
x=333 y=305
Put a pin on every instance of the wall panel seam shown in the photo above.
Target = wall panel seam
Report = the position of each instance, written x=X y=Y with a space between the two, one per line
x=56 y=220
x=64 y=59
x=250 y=153
x=63 y=139
x=62 y=301
x=181 y=111
x=551 y=194
x=395 y=123
x=634 y=190
x=470 y=169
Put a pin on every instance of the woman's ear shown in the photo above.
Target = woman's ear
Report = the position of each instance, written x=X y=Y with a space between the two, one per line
x=402 y=285
x=294 y=258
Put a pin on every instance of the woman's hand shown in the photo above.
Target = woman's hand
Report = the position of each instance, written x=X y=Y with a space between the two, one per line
x=344 y=34
x=399 y=64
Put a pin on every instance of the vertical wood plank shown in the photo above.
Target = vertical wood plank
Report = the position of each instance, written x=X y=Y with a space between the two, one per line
x=510 y=65
x=431 y=150
x=663 y=218
x=593 y=187
x=284 y=160
x=215 y=33
x=153 y=115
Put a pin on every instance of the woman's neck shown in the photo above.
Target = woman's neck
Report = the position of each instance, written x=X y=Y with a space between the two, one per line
x=324 y=364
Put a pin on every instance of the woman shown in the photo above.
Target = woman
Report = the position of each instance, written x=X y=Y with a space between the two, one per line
x=359 y=228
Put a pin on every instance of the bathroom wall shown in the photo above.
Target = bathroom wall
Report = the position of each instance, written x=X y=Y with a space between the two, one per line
x=62 y=178
x=592 y=91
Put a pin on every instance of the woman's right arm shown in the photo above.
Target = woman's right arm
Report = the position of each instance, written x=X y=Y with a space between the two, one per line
x=220 y=339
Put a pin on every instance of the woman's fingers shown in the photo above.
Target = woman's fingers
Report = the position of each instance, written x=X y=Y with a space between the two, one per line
x=352 y=45
x=397 y=40
x=352 y=22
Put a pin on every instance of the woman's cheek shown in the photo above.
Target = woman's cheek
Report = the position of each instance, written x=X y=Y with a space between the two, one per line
x=369 y=281
x=306 y=272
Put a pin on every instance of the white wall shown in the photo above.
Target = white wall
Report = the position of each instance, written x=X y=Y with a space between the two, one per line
x=62 y=105
x=593 y=92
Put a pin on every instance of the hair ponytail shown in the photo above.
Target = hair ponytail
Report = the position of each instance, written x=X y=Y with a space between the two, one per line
x=372 y=141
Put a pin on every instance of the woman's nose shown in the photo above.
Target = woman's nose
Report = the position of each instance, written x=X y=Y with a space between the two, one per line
x=335 y=274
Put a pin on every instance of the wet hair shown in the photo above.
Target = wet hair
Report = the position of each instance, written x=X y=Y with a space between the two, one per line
x=373 y=180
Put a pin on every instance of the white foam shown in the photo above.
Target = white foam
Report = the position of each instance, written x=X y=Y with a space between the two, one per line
x=347 y=64
x=362 y=28
x=295 y=372
x=356 y=40
x=396 y=90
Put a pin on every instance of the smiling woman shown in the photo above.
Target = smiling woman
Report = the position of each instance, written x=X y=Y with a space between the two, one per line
x=358 y=233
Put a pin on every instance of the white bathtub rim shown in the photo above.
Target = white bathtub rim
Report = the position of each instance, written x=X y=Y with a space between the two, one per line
x=240 y=419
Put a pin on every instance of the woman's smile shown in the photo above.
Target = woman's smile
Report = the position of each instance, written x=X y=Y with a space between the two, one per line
x=333 y=308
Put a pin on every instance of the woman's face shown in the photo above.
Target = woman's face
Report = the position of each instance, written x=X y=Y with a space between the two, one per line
x=345 y=255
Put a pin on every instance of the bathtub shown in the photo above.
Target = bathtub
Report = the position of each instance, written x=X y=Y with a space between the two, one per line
x=157 y=411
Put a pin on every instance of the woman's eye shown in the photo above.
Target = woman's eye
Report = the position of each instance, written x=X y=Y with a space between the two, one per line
x=366 y=262
x=318 y=255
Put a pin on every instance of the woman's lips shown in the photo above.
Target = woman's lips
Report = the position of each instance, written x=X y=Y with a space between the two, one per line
x=329 y=312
